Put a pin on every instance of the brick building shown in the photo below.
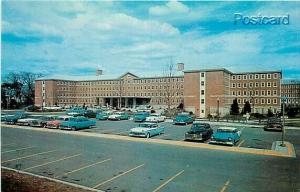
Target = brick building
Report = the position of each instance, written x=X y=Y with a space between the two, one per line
x=291 y=92
x=202 y=91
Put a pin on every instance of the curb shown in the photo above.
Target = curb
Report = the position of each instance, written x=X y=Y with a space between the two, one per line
x=265 y=152
x=52 y=179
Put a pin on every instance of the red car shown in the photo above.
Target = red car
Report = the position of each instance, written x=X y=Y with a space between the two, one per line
x=56 y=123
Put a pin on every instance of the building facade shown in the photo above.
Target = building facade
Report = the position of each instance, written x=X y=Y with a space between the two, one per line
x=291 y=93
x=203 y=92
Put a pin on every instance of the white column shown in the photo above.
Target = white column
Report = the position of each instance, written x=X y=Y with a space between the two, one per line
x=134 y=103
x=126 y=101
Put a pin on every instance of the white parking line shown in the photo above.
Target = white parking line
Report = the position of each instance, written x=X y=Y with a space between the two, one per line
x=28 y=156
x=225 y=186
x=241 y=143
x=20 y=149
x=84 y=167
x=115 y=177
x=168 y=181
x=62 y=159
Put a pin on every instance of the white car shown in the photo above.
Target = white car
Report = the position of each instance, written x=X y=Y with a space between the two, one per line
x=27 y=121
x=118 y=116
x=155 y=118
x=146 y=130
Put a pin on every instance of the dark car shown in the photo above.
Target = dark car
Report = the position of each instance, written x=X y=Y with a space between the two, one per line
x=273 y=124
x=90 y=114
x=199 y=132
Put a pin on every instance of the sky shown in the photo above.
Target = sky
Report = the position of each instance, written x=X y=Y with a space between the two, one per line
x=74 y=38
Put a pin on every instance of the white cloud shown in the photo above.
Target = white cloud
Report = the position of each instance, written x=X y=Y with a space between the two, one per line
x=171 y=7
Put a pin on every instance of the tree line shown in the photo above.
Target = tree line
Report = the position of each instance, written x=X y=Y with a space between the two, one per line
x=17 y=89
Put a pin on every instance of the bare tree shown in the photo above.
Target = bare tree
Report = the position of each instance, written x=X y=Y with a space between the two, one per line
x=170 y=86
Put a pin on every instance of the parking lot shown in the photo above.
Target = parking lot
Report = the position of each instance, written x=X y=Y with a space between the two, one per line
x=112 y=165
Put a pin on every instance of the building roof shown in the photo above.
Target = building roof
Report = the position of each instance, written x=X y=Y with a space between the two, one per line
x=207 y=70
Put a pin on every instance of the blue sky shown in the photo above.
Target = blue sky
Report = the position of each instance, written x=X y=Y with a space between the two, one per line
x=74 y=38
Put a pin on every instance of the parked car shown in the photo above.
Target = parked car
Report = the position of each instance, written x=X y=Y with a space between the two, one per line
x=27 y=120
x=75 y=123
x=155 y=118
x=4 y=116
x=118 y=116
x=12 y=119
x=140 y=116
x=183 y=119
x=103 y=115
x=226 y=135
x=90 y=113
x=146 y=130
x=76 y=111
x=199 y=132
x=56 y=123
x=273 y=124
x=42 y=121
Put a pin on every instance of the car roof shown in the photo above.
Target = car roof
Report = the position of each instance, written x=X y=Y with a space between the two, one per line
x=228 y=128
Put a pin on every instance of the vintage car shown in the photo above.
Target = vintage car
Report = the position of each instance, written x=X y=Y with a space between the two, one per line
x=226 y=135
x=90 y=113
x=27 y=120
x=199 y=132
x=273 y=124
x=42 y=121
x=118 y=116
x=4 y=116
x=76 y=111
x=56 y=123
x=146 y=130
x=140 y=116
x=12 y=119
x=75 y=123
x=103 y=115
x=183 y=119
x=155 y=118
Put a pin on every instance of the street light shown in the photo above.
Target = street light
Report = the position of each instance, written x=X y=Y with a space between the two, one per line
x=218 y=109
x=282 y=135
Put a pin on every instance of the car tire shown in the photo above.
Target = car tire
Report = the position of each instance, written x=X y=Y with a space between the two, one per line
x=73 y=128
x=45 y=126
x=148 y=135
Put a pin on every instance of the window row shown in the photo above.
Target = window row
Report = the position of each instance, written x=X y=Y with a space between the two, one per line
x=256 y=84
x=255 y=93
x=259 y=101
x=255 y=76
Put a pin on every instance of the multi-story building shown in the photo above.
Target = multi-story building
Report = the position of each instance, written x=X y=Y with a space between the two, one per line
x=126 y=91
x=201 y=91
x=291 y=92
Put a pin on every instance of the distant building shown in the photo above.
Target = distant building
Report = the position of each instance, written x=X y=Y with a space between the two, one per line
x=291 y=92
x=202 y=91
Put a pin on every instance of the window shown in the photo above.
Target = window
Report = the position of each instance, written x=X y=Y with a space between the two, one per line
x=256 y=101
x=262 y=84
x=202 y=74
x=239 y=93
x=262 y=92
x=239 y=85
x=244 y=77
x=274 y=101
x=250 y=76
x=202 y=92
x=256 y=76
x=233 y=85
x=202 y=101
x=269 y=92
x=274 y=84
x=269 y=76
x=256 y=84
x=233 y=93
x=262 y=76
x=274 y=92
x=268 y=101
x=275 y=76
x=202 y=83
x=233 y=77
x=251 y=85
x=239 y=77
x=245 y=85
x=257 y=93
x=262 y=101
x=268 y=84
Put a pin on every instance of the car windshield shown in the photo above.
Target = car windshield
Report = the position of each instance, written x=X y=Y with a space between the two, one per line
x=182 y=116
x=198 y=127
x=147 y=125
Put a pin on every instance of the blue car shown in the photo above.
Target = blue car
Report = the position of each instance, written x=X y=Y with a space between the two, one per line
x=75 y=123
x=140 y=116
x=226 y=136
x=183 y=119
x=76 y=111
x=12 y=119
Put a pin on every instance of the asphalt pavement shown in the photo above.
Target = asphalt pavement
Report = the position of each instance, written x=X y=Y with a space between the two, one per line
x=112 y=165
